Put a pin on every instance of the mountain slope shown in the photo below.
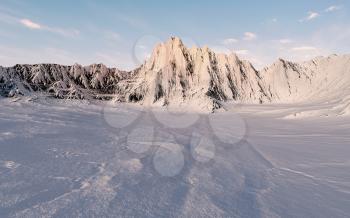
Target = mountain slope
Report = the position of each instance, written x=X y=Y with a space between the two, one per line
x=94 y=81
x=318 y=79
x=178 y=76
x=175 y=74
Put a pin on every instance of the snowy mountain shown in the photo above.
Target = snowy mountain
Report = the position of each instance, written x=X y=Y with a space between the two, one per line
x=94 y=81
x=320 y=78
x=176 y=75
x=323 y=80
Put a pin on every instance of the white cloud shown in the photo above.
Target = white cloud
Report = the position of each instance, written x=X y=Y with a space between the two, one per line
x=285 y=41
x=229 y=41
x=37 y=26
x=311 y=16
x=274 y=20
x=248 y=36
x=304 y=48
x=333 y=8
x=30 y=24
x=63 y=32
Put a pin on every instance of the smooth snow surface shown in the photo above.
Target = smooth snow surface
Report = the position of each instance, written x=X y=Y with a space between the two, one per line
x=69 y=159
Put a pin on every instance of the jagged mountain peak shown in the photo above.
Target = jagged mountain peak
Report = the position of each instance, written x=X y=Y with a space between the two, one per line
x=174 y=53
x=177 y=75
x=175 y=42
x=279 y=62
x=172 y=45
x=282 y=65
x=76 y=81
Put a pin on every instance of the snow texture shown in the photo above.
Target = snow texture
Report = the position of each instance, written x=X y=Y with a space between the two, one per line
x=61 y=158
x=98 y=142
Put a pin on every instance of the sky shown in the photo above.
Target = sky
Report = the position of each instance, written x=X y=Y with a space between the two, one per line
x=123 y=33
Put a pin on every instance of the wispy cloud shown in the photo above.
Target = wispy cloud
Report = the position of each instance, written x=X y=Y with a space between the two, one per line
x=333 y=8
x=64 y=32
x=229 y=41
x=311 y=16
x=285 y=41
x=248 y=36
x=33 y=25
x=36 y=26
x=304 y=48
x=30 y=24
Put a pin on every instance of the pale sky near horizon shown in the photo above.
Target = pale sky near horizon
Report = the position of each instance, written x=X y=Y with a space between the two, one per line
x=122 y=33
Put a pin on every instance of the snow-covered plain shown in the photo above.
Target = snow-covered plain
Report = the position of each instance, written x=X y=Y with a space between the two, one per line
x=63 y=158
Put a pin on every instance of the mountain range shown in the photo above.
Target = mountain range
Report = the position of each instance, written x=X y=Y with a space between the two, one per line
x=176 y=75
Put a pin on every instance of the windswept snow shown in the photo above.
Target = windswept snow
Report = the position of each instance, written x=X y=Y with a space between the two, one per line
x=65 y=159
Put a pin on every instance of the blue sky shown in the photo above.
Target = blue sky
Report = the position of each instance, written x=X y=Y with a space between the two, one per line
x=122 y=33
